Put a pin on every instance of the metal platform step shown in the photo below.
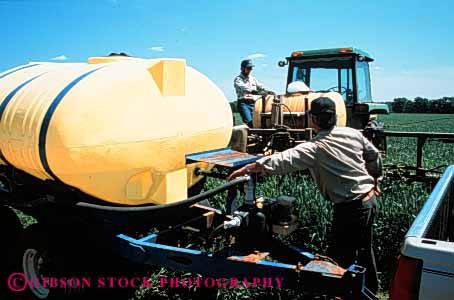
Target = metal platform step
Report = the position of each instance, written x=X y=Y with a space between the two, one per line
x=225 y=157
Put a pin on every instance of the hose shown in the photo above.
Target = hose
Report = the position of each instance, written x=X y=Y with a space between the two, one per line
x=216 y=231
x=291 y=114
x=188 y=201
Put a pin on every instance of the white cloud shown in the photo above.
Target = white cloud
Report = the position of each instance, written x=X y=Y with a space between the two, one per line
x=377 y=68
x=60 y=57
x=157 y=49
x=256 y=56
x=264 y=65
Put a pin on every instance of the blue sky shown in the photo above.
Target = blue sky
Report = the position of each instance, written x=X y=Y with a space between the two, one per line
x=411 y=41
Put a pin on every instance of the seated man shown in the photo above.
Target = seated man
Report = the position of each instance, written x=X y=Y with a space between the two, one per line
x=247 y=88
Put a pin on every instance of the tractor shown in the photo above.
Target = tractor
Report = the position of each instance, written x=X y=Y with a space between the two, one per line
x=281 y=122
x=342 y=70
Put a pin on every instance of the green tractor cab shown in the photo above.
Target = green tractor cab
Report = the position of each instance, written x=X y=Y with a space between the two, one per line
x=342 y=70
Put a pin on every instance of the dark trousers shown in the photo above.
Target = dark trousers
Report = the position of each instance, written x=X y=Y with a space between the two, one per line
x=246 y=109
x=351 y=241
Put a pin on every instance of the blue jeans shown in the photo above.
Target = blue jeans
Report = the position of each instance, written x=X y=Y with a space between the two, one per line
x=246 y=109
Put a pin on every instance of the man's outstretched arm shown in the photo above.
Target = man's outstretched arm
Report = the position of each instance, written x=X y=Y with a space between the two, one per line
x=298 y=158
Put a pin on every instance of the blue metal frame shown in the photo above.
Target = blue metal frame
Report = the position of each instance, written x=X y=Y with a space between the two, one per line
x=146 y=251
x=317 y=280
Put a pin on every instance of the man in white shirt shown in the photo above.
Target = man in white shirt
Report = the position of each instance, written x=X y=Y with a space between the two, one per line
x=247 y=88
x=346 y=168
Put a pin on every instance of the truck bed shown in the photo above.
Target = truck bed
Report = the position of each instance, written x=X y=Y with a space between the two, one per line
x=430 y=242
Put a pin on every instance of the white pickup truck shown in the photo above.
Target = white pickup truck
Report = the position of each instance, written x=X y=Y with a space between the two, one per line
x=426 y=265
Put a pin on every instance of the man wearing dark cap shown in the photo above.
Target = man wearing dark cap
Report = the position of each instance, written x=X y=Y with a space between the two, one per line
x=346 y=168
x=247 y=88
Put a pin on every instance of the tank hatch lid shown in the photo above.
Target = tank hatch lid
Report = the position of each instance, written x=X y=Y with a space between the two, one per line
x=169 y=75
x=112 y=58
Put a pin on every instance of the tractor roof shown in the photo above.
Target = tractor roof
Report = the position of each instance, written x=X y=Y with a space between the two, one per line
x=331 y=52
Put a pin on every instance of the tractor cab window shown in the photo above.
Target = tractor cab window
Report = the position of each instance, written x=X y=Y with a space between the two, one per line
x=363 y=82
x=326 y=75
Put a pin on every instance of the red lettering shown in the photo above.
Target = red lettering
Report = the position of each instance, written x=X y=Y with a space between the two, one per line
x=233 y=282
x=111 y=282
x=101 y=282
x=221 y=282
x=62 y=282
x=34 y=282
x=174 y=282
x=146 y=282
x=51 y=281
x=132 y=282
x=42 y=281
x=267 y=282
x=74 y=282
x=86 y=282
x=123 y=282
x=162 y=280
x=245 y=283
x=255 y=281
x=211 y=284
x=186 y=282
x=279 y=281
x=197 y=281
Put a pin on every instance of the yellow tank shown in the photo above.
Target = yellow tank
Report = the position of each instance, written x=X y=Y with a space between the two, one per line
x=296 y=104
x=117 y=128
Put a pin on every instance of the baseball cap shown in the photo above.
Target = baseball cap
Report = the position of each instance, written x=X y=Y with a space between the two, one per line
x=247 y=63
x=323 y=105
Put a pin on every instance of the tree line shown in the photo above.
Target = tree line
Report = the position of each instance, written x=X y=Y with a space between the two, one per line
x=443 y=105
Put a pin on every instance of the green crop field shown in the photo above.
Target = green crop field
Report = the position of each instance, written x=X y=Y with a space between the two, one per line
x=402 y=151
x=399 y=203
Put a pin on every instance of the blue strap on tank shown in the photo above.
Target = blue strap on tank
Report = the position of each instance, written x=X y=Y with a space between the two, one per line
x=48 y=117
x=18 y=69
x=8 y=100
x=14 y=92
